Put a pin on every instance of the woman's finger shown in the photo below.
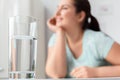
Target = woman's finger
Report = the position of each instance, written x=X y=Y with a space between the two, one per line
x=74 y=71
x=52 y=24
x=79 y=74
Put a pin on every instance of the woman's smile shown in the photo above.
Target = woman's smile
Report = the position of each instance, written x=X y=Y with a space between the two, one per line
x=59 y=19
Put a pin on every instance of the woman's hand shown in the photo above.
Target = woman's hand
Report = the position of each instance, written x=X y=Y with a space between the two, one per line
x=52 y=24
x=83 y=72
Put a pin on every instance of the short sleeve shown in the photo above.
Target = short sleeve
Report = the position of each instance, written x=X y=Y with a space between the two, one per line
x=104 y=44
x=52 y=40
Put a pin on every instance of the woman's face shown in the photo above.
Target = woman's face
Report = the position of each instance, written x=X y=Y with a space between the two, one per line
x=66 y=14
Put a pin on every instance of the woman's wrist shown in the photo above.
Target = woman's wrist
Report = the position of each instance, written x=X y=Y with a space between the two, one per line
x=60 y=31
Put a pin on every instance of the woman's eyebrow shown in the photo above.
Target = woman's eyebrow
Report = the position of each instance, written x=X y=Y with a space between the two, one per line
x=64 y=5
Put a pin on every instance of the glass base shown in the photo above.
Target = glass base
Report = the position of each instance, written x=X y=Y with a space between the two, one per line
x=22 y=75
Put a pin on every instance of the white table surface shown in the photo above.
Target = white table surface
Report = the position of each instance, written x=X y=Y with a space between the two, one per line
x=111 y=78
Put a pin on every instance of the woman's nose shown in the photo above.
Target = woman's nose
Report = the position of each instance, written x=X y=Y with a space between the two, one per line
x=58 y=12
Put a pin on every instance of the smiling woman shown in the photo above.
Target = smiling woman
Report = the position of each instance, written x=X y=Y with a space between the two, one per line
x=78 y=48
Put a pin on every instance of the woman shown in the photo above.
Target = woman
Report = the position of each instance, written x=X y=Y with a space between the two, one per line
x=78 y=48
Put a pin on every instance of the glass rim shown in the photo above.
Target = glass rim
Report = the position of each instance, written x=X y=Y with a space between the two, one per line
x=37 y=19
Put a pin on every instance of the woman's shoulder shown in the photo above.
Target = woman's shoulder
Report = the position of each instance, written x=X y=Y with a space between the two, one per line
x=98 y=36
x=94 y=34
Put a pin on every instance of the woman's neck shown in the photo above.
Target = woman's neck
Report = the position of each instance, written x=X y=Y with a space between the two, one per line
x=74 y=35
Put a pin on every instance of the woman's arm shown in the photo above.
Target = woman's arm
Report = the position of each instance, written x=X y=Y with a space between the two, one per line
x=56 y=62
x=114 y=58
x=110 y=71
x=105 y=71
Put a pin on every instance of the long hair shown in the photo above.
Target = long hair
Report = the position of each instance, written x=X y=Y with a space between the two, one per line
x=90 y=21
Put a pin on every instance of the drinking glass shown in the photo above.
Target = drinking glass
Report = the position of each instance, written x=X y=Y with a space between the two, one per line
x=22 y=46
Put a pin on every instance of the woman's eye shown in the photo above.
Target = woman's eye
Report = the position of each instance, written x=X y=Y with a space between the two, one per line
x=64 y=8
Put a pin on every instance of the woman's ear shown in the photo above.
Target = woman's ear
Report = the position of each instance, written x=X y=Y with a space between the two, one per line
x=81 y=16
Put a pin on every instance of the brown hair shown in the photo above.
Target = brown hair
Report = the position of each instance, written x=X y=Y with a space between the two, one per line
x=84 y=5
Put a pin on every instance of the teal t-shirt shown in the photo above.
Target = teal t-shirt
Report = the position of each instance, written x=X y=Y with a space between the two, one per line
x=95 y=45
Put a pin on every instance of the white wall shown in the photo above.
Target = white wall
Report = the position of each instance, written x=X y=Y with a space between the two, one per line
x=3 y=39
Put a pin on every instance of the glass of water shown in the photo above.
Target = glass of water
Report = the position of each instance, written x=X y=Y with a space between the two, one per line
x=22 y=46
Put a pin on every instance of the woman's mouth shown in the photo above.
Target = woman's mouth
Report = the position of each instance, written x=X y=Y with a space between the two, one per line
x=58 y=19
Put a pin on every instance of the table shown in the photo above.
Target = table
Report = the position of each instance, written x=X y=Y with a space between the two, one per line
x=111 y=78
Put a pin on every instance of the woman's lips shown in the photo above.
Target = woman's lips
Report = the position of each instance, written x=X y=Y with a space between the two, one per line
x=58 y=19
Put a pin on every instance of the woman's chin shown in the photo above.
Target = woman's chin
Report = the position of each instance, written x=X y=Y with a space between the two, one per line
x=59 y=24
